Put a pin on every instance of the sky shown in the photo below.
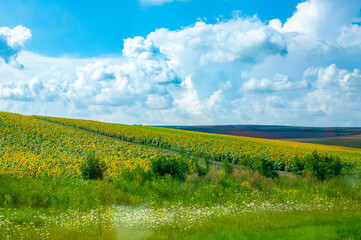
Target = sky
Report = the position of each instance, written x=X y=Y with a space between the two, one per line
x=183 y=62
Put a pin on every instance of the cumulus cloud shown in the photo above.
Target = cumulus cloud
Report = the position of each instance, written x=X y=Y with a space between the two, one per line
x=304 y=71
x=331 y=96
x=246 y=40
x=11 y=43
x=143 y=76
x=21 y=90
x=148 y=75
x=350 y=36
x=322 y=19
x=189 y=102
x=144 y=72
x=335 y=91
x=280 y=82
x=155 y=101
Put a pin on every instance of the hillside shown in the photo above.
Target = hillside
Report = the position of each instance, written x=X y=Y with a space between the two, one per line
x=72 y=178
x=338 y=136
x=213 y=146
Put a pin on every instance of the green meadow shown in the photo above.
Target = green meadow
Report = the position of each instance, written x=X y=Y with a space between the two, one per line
x=173 y=191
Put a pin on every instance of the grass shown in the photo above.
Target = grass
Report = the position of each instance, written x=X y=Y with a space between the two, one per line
x=290 y=225
x=166 y=202
x=307 y=224
x=243 y=205
x=56 y=193
x=214 y=188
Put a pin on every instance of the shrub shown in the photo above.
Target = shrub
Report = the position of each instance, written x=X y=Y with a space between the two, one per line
x=201 y=167
x=138 y=174
x=260 y=164
x=92 y=167
x=323 y=166
x=253 y=177
x=297 y=166
x=227 y=167
x=265 y=167
x=281 y=166
x=214 y=175
x=176 y=166
x=246 y=161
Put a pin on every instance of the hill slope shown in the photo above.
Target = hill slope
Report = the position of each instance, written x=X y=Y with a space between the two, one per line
x=339 y=136
x=161 y=183
x=213 y=146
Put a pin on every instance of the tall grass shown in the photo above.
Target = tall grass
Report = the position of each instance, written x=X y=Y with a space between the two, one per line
x=288 y=225
x=215 y=187
x=27 y=204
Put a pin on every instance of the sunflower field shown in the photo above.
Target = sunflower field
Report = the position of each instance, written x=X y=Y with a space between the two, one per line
x=215 y=147
x=29 y=146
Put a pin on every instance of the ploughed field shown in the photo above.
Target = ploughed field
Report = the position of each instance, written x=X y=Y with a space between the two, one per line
x=338 y=136
x=70 y=178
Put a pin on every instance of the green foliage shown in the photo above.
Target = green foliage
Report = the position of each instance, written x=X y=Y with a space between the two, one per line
x=92 y=167
x=262 y=165
x=227 y=167
x=137 y=174
x=202 y=167
x=175 y=166
x=214 y=188
x=265 y=167
x=297 y=166
x=323 y=166
x=55 y=193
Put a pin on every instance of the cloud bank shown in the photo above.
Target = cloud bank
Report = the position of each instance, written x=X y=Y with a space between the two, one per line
x=304 y=71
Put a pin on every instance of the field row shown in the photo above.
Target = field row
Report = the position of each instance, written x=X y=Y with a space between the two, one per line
x=32 y=146
x=213 y=146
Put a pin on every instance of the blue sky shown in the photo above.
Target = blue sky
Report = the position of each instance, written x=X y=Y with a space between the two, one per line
x=86 y=28
x=183 y=62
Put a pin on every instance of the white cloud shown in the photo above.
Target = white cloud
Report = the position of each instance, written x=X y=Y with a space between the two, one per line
x=350 y=36
x=335 y=94
x=335 y=91
x=189 y=102
x=322 y=19
x=11 y=43
x=243 y=70
x=158 y=102
x=280 y=82
x=102 y=84
x=21 y=90
x=330 y=98
x=246 y=40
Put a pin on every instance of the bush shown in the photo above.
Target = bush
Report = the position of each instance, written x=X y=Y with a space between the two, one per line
x=323 y=166
x=176 y=166
x=202 y=167
x=297 y=166
x=246 y=162
x=260 y=164
x=92 y=167
x=136 y=174
x=265 y=167
x=214 y=175
x=227 y=167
